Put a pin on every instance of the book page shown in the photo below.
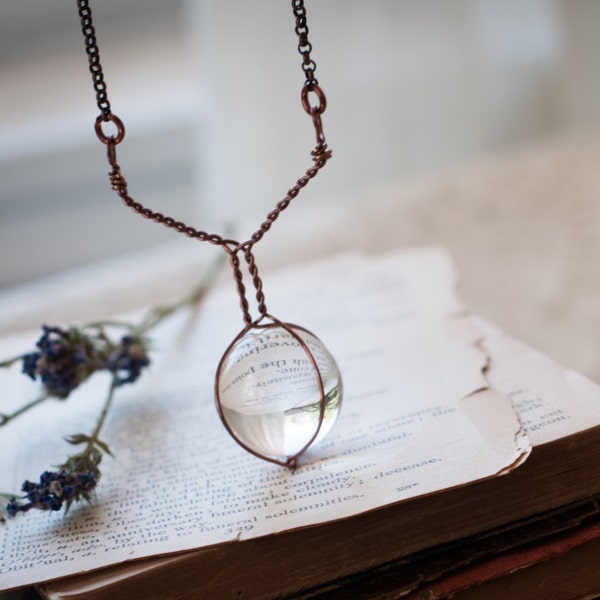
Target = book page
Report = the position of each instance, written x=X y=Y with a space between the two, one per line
x=417 y=417
x=551 y=401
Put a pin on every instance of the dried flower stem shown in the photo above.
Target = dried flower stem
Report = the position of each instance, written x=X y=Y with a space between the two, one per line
x=157 y=314
x=4 y=419
x=103 y=414
x=9 y=362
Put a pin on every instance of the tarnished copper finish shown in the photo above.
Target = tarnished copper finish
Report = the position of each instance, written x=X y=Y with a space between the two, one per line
x=320 y=155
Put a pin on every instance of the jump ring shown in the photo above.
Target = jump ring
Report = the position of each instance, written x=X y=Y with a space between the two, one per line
x=105 y=139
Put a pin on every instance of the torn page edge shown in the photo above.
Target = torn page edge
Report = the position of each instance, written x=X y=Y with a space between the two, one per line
x=522 y=442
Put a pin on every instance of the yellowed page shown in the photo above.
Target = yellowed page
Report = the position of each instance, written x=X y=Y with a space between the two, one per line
x=551 y=401
x=417 y=417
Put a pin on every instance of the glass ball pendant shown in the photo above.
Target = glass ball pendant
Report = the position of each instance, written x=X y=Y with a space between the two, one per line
x=278 y=390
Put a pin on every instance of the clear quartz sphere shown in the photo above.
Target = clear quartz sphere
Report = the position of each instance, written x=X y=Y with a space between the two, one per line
x=269 y=391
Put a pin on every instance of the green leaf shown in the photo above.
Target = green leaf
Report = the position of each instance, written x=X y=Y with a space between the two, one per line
x=78 y=438
x=103 y=446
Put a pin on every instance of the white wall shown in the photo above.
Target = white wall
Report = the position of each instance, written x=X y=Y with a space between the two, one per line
x=412 y=86
x=56 y=206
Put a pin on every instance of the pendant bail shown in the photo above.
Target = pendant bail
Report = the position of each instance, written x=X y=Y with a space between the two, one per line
x=239 y=279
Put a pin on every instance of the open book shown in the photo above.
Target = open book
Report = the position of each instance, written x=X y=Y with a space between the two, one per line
x=448 y=429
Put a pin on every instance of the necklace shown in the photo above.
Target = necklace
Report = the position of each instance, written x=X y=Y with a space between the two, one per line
x=278 y=390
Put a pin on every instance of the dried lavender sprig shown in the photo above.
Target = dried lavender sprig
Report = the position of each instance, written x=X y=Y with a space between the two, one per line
x=75 y=479
x=79 y=475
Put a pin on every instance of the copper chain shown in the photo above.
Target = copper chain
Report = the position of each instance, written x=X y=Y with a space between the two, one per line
x=91 y=48
x=304 y=46
x=320 y=155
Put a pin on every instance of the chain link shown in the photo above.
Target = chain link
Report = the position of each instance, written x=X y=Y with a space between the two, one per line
x=321 y=154
x=91 y=48
x=304 y=46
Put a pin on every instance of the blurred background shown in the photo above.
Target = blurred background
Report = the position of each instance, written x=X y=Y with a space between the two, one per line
x=209 y=93
x=451 y=122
